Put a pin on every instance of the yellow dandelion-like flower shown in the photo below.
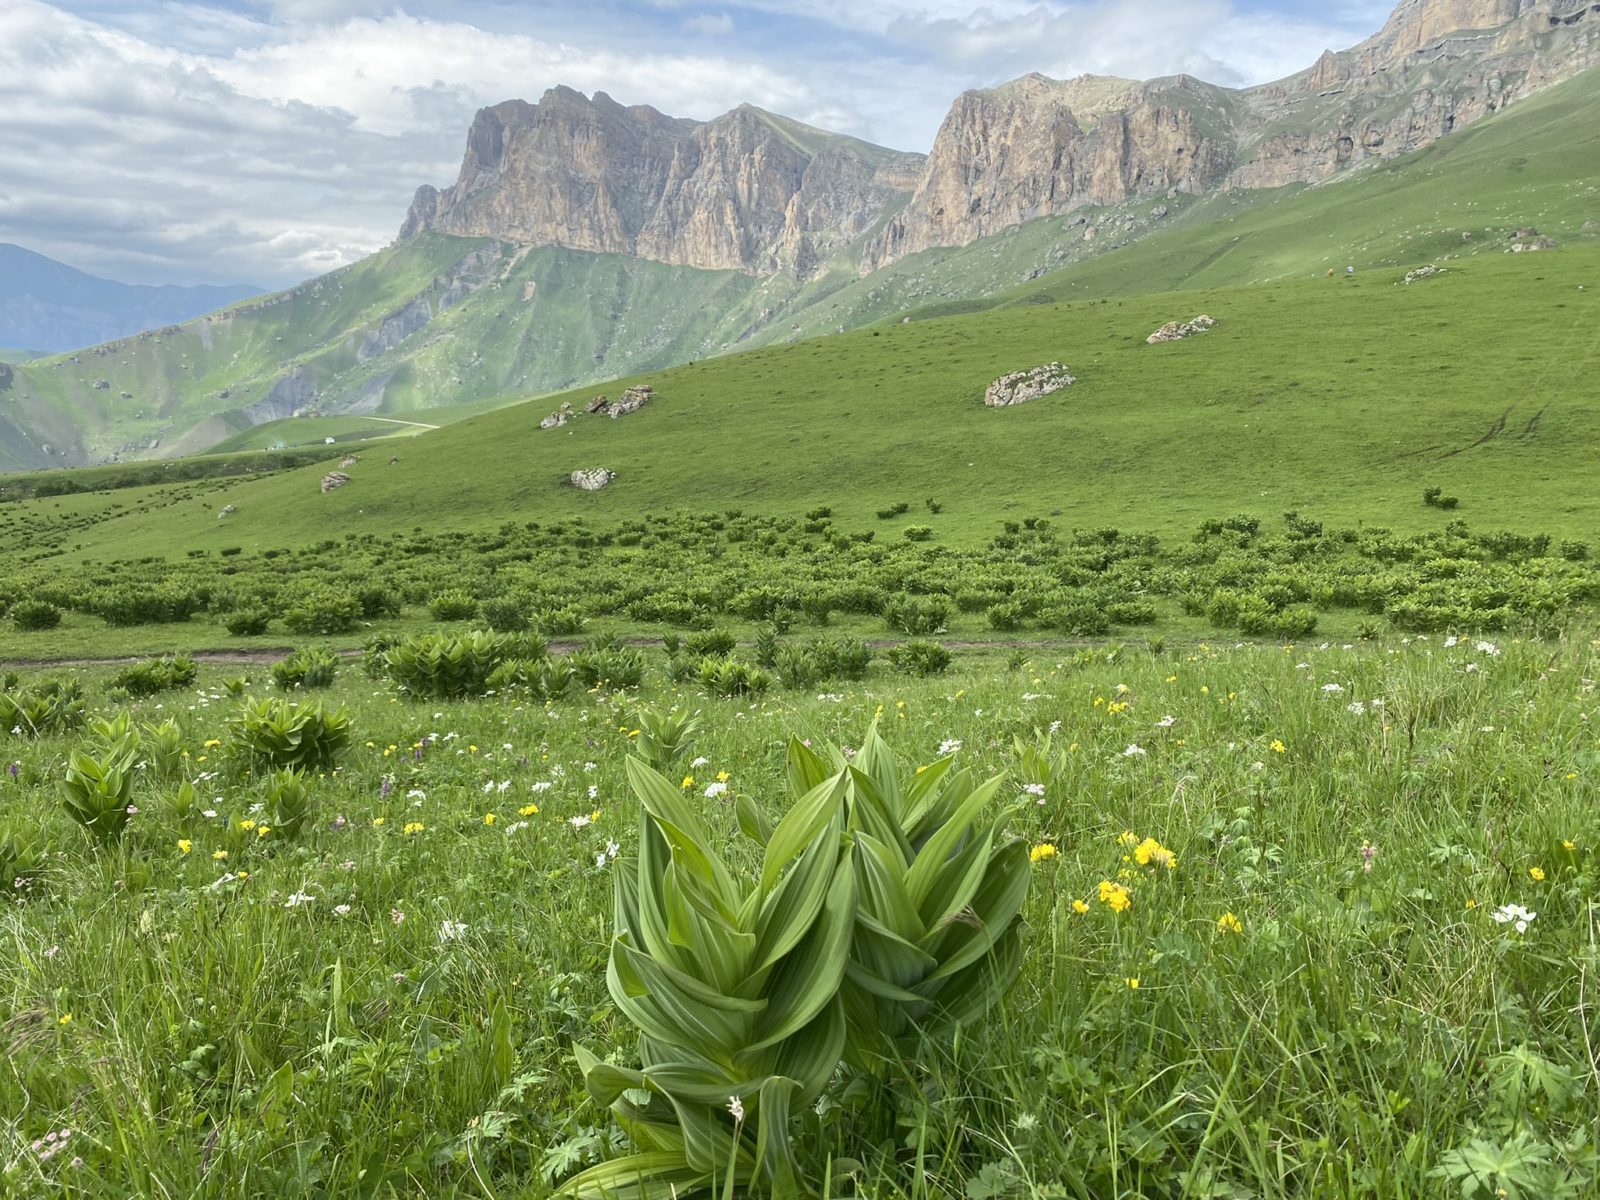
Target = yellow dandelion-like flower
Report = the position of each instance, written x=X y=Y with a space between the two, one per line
x=413 y=827
x=1278 y=747
x=1127 y=838
x=1536 y=874
x=1115 y=896
x=528 y=810
x=1132 y=981
x=488 y=818
x=1041 y=852
x=688 y=782
x=263 y=830
x=185 y=845
x=1228 y=923
x=723 y=777
x=210 y=742
x=1568 y=846
x=64 y=1019
x=219 y=855
x=1079 y=906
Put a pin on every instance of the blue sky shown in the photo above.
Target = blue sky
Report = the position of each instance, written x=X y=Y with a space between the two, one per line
x=269 y=140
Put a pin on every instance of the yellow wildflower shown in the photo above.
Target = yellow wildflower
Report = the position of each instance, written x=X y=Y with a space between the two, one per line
x=1115 y=895
x=1228 y=923
x=64 y=1019
x=1568 y=846
x=1151 y=851
x=1078 y=906
x=185 y=845
x=1278 y=747
x=1041 y=852
x=528 y=810
x=1536 y=874
x=1132 y=981
x=488 y=818
x=723 y=777
x=1127 y=837
x=688 y=782
x=376 y=821
x=219 y=855
x=210 y=742
x=412 y=827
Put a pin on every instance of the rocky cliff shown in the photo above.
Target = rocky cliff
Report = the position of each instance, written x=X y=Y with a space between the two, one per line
x=753 y=192
x=748 y=191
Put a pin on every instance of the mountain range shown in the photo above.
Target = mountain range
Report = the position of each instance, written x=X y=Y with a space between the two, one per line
x=583 y=240
x=47 y=306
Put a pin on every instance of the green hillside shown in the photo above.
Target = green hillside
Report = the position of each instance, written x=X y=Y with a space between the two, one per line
x=439 y=322
x=1344 y=398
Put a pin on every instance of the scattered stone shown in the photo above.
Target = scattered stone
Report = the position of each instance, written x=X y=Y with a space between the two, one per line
x=631 y=400
x=1523 y=234
x=127 y=395
x=1159 y=211
x=1427 y=272
x=349 y=460
x=1174 y=331
x=593 y=479
x=227 y=512
x=528 y=289
x=334 y=480
x=558 y=418
x=1591 y=224
x=1538 y=243
x=598 y=404
x=1466 y=235
x=224 y=394
x=102 y=385
x=1021 y=386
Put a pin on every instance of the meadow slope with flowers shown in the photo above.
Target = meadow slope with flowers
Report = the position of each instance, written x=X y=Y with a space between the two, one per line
x=1312 y=919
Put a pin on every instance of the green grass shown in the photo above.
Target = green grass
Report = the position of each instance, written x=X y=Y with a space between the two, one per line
x=268 y=1019
x=1342 y=398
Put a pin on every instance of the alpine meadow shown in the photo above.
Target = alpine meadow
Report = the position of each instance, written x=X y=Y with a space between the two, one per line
x=729 y=660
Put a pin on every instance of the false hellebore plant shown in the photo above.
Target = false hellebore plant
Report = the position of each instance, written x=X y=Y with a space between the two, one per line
x=888 y=905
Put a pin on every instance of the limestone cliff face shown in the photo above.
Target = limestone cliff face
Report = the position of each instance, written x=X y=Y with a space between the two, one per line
x=747 y=192
x=754 y=192
x=1036 y=147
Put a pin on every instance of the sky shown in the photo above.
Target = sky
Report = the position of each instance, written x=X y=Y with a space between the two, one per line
x=267 y=141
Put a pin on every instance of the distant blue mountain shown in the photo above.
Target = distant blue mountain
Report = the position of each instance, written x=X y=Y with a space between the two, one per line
x=51 y=307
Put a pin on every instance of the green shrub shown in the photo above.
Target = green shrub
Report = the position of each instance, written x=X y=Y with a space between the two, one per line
x=541 y=678
x=506 y=614
x=614 y=667
x=443 y=665
x=713 y=643
x=133 y=605
x=287 y=802
x=162 y=748
x=454 y=605
x=273 y=733
x=918 y=657
x=724 y=676
x=568 y=621
x=323 y=612
x=917 y=533
x=1004 y=618
x=1131 y=612
x=97 y=788
x=376 y=601
x=916 y=616
x=31 y=616
x=1077 y=619
x=53 y=706
x=307 y=669
x=247 y=622
x=156 y=675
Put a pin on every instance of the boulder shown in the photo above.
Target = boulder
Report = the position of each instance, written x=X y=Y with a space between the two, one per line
x=228 y=511
x=1426 y=272
x=598 y=404
x=349 y=460
x=558 y=418
x=631 y=400
x=1174 y=331
x=334 y=480
x=1021 y=386
x=1538 y=243
x=592 y=479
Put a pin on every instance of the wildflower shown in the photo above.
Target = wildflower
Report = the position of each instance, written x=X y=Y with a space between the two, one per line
x=1568 y=846
x=1368 y=853
x=1132 y=981
x=1151 y=851
x=949 y=746
x=1333 y=689
x=1228 y=923
x=449 y=930
x=52 y=951
x=64 y=1019
x=1166 y=722
x=1041 y=852
x=185 y=845
x=377 y=821
x=723 y=777
x=1488 y=648
x=700 y=761
x=416 y=794
x=1278 y=747
x=247 y=826
x=736 y=1107
x=210 y=742
x=412 y=827
x=1127 y=837
x=396 y=916
x=1536 y=874
x=1134 y=750
x=297 y=899
x=715 y=789
x=1114 y=895
x=1078 y=906
x=528 y=810
x=688 y=782
x=579 y=821
x=1036 y=790
x=488 y=818
x=1514 y=914
x=219 y=855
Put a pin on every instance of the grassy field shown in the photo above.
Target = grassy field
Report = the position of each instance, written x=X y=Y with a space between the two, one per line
x=1314 y=996
x=1344 y=398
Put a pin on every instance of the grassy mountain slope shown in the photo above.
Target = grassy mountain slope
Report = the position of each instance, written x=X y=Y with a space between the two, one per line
x=440 y=322
x=1341 y=398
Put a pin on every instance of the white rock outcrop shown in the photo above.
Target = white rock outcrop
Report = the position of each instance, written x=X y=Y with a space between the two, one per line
x=1021 y=386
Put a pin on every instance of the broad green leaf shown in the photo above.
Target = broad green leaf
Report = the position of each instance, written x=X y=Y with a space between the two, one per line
x=942 y=845
x=810 y=814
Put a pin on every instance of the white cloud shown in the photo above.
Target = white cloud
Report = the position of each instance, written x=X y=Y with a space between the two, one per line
x=176 y=140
